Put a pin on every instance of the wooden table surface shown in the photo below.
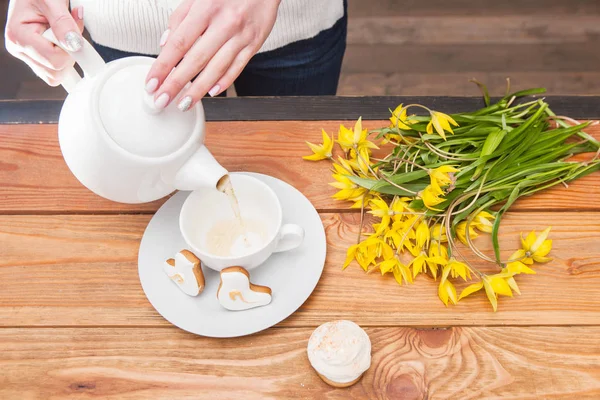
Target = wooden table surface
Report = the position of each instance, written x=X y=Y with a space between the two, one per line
x=74 y=321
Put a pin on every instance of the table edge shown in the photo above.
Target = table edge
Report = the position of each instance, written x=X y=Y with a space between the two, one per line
x=306 y=108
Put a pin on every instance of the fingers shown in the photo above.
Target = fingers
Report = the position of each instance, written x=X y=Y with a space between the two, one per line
x=63 y=24
x=43 y=57
x=194 y=61
x=176 y=45
x=220 y=72
x=45 y=52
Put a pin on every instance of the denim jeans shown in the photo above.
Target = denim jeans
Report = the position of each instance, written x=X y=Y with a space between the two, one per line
x=309 y=67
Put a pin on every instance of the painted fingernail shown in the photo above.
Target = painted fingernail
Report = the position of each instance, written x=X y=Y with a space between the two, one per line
x=152 y=85
x=80 y=13
x=161 y=101
x=215 y=89
x=185 y=103
x=73 y=41
x=164 y=37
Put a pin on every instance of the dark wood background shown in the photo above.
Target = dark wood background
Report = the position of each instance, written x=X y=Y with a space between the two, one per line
x=432 y=47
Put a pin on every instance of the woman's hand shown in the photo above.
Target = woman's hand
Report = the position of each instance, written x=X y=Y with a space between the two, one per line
x=28 y=19
x=215 y=38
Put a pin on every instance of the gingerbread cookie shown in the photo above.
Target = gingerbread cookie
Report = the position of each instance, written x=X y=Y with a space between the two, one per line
x=186 y=272
x=237 y=293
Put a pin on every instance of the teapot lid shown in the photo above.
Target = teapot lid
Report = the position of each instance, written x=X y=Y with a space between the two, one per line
x=129 y=118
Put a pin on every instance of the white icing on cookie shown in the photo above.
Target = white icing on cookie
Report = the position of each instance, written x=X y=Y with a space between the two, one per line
x=237 y=293
x=185 y=272
x=340 y=351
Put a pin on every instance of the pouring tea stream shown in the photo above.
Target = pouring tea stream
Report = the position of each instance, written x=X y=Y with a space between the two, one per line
x=118 y=145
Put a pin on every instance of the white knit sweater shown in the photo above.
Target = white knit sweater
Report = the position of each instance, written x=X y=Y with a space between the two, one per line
x=136 y=25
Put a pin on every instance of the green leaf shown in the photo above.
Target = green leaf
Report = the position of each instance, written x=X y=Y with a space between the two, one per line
x=363 y=182
x=411 y=188
x=403 y=177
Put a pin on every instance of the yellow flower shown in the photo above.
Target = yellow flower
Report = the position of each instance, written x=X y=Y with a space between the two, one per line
x=400 y=271
x=438 y=256
x=380 y=208
x=364 y=253
x=418 y=264
x=421 y=262
x=446 y=290
x=517 y=267
x=484 y=221
x=494 y=285
x=457 y=268
x=535 y=248
x=422 y=234
x=363 y=160
x=361 y=201
x=345 y=138
x=321 y=151
x=399 y=119
x=355 y=140
x=438 y=233
x=442 y=177
x=461 y=232
x=441 y=122
x=348 y=189
x=431 y=198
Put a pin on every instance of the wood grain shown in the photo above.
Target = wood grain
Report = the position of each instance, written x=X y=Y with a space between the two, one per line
x=399 y=8
x=82 y=271
x=166 y=363
x=34 y=177
x=491 y=30
x=457 y=83
x=439 y=58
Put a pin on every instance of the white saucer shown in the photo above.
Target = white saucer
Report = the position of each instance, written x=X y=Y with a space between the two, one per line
x=291 y=275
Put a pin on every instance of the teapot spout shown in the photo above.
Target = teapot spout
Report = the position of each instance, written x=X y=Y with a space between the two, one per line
x=201 y=170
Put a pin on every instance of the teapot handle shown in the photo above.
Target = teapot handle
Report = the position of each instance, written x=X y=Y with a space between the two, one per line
x=88 y=59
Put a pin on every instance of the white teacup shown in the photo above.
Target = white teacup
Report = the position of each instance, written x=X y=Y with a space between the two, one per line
x=207 y=215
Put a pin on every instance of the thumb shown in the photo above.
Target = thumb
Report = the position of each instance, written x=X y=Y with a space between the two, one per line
x=77 y=14
x=62 y=23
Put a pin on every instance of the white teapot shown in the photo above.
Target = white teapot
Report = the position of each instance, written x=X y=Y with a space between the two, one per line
x=118 y=144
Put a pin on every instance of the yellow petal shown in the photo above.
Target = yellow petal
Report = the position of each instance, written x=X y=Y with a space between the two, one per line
x=540 y=239
x=491 y=295
x=544 y=248
x=471 y=289
x=513 y=284
x=438 y=127
x=528 y=241
x=430 y=127
x=447 y=291
x=541 y=259
x=314 y=157
x=517 y=267
x=350 y=255
x=500 y=286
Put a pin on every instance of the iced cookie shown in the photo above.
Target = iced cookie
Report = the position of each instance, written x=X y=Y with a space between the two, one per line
x=237 y=293
x=340 y=352
x=186 y=272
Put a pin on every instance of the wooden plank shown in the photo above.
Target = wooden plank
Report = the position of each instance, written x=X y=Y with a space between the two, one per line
x=322 y=108
x=382 y=8
x=433 y=59
x=82 y=270
x=490 y=29
x=457 y=83
x=459 y=363
x=34 y=178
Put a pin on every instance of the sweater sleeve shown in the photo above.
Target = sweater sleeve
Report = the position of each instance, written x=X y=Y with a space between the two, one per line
x=137 y=25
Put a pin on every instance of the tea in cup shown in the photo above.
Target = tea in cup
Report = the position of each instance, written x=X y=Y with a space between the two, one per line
x=222 y=239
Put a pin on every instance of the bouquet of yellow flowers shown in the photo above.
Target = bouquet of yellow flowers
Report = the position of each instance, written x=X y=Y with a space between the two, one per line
x=448 y=178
